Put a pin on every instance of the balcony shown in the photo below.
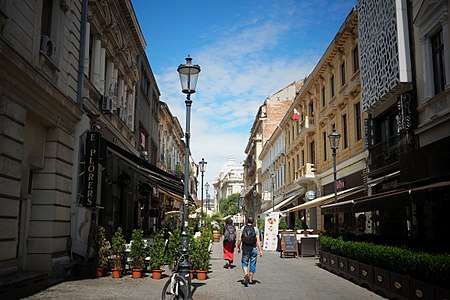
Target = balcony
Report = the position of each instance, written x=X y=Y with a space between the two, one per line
x=306 y=173
x=307 y=126
x=385 y=153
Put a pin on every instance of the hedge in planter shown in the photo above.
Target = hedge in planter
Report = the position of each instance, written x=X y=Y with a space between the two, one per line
x=434 y=268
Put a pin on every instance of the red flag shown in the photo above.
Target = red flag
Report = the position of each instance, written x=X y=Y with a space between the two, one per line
x=296 y=114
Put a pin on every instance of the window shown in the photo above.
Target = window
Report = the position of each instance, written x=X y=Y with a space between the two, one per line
x=437 y=48
x=344 y=131
x=323 y=97
x=343 y=79
x=312 y=149
x=303 y=157
x=46 y=21
x=358 y=131
x=355 y=59
x=311 y=109
x=324 y=146
x=332 y=85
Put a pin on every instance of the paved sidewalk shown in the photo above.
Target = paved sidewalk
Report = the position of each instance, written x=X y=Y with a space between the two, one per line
x=276 y=278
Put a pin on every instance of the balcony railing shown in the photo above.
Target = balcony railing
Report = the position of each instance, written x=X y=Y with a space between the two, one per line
x=307 y=125
x=385 y=153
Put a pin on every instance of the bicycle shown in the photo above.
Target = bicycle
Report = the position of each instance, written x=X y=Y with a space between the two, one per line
x=176 y=287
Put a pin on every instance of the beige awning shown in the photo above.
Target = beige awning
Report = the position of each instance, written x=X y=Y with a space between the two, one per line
x=325 y=199
x=282 y=203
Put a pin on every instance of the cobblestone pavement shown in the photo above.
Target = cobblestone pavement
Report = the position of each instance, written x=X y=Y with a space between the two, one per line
x=276 y=278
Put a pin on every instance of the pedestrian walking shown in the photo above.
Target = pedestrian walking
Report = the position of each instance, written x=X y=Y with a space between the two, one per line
x=229 y=242
x=251 y=247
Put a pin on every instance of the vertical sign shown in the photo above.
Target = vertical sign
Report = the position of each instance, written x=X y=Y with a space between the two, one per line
x=271 y=231
x=91 y=169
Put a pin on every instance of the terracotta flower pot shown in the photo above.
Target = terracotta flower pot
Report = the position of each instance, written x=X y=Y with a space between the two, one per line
x=201 y=274
x=191 y=273
x=156 y=274
x=99 y=272
x=116 y=273
x=136 y=273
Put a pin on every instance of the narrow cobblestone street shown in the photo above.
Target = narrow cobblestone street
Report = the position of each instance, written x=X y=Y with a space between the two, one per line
x=276 y=278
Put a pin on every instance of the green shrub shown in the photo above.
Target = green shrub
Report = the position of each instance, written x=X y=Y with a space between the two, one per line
x=434 y=268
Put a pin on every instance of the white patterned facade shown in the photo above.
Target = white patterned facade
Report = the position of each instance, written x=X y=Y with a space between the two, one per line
x=384 y=50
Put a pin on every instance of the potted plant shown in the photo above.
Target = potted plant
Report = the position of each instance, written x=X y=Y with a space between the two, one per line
x=118 y=249
x=298 y=224
x=137 y=253
x=203 y=254
x=157 y=254
x=102 y=251
x=282 y=225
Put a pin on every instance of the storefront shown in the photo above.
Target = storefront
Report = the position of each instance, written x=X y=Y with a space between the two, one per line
x=134 y=193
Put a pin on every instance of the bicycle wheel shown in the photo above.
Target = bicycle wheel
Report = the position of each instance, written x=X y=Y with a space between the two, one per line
x=175 y=288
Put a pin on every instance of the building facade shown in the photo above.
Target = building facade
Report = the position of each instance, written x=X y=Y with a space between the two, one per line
x=328 y=101
x=266 y=122
x=79 y=133
x=229 y=181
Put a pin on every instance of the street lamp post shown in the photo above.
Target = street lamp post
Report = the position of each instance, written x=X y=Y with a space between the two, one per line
x=207 y=197
x=334 y=142
x=202 y=164
x=188 y=78
x=273 y=192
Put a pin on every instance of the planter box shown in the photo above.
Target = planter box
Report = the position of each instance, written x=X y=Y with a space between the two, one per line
x=353 y=270
x=381 y=281
x=366 y=275
x=441 y=293
x=421 y=290
x=399 y=285
x=343 y=266
x=325 y=260
x=334 y=263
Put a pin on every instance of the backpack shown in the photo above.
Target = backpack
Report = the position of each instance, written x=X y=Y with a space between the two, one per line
x=230 y=234
x=249 y=236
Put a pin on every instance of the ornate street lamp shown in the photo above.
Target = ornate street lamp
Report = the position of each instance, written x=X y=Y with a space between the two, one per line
x=202 y=164
x=334 y=142
x=188 y=78
x=273 y=191
x=207 y=197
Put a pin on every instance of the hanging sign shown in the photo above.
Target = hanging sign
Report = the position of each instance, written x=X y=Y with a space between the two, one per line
x=91 y=169
x=310 y=195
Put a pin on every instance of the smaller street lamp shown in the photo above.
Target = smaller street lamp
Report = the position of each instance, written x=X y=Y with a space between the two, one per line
x=273 y=191
x=334 y=142
x=202 y=164
x=207 y=196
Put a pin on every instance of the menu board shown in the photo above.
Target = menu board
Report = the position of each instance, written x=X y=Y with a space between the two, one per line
x=289 y=243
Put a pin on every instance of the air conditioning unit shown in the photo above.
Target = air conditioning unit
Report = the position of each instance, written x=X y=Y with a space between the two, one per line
x=47 y=46
x=107 y=104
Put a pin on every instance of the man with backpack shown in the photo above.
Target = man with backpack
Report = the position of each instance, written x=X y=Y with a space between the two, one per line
x=229 y=242
x=251 y=247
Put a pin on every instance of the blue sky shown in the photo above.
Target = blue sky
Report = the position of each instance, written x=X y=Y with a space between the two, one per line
x=247 y=50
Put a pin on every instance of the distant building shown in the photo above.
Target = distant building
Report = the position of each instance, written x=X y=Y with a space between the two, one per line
x=229 y=181
x=267 y=119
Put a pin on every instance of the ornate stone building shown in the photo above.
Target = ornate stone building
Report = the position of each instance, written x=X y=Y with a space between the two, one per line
x=229 y=181
x=329 y=100
x=266 y=121
x=79 y=113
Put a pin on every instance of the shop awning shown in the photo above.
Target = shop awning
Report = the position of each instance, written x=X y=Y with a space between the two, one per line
x=282 y=203
x=388 y=200
x=159 y=178
x=326 y=199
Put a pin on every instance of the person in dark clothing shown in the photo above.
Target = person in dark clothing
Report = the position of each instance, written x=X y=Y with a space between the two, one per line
x=251 y=247
x=229 y=242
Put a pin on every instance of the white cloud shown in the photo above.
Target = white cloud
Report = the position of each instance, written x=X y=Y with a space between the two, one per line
x=241 y=66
